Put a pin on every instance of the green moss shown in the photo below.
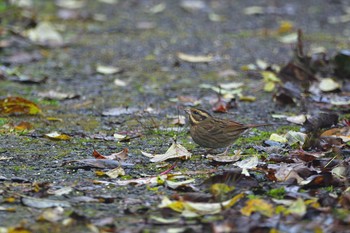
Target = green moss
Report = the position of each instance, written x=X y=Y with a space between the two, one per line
x=258 y=137
x=329 y=189
x=284 y=129
x=47 y=102
x=277 y=193
x=3 y=121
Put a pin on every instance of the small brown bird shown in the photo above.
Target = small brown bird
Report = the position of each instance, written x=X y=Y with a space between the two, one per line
x=213 y=132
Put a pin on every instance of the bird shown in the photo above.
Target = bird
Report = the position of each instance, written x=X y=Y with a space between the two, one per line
x=213 y=132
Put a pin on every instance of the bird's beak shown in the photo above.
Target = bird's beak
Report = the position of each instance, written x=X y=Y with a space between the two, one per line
x=187 y=110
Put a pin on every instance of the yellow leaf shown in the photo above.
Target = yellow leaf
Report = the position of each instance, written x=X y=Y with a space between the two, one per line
x=57 y=136
x=18 y=105
x=258 y=205
x=285 y=26
x=298 y=207
x=269 y=86
x=193 y=209
x=10 y=200
x=100 y=173
x=247 y=98
x=269 y=76
x=18 y=230
x=22 y=126
x=220 y=188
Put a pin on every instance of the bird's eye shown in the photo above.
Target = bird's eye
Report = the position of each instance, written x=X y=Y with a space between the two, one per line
x=196 y=112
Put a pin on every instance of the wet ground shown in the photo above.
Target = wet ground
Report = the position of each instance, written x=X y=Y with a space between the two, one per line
x=143 y=44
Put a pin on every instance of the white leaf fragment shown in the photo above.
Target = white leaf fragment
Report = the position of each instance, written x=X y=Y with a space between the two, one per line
x=194 y=58
x=328 y=84
x=248 y=163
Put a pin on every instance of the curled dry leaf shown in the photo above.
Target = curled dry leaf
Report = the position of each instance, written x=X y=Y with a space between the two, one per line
x=122 y=155
x=195 y=209
x=343 y=133
x=175 y=184
x=175 y=151
x=286 y=171
x=179 y=120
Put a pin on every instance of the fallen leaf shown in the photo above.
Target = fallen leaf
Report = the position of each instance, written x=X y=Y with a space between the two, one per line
x=298 y=207
x=52 y=215
x=57 y=136
x=299 y=119
x=45 y=34
x=122 y=155
x=287 y=171
x=248 y=163
x=289 y=38
x=253 y=10
x=157 y=8
x=194 y=58
x=175 y=151
x=18 y=105
x=119 y=82
x=295 y=138
x=195 y=209
x=55 y=95
x=270 y=80
x=61 y=191
x=119 y=111
x=258 y=205
x=116 y=172
x=107 y=69
x=247 y=98
x=179 y=120
x=328 y=84
x=42 y=203
x=176 y=184
x=343 y=133
x=226 y=159
x=22 y=126
x=192 y=5
x=71 y=4
x=285 y=27
x=227 y=73
x=165 y=220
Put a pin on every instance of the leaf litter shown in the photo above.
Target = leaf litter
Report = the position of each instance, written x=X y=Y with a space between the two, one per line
x=312 y=163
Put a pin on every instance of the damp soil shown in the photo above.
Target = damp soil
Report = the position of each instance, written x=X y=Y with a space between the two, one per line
x=154 y=77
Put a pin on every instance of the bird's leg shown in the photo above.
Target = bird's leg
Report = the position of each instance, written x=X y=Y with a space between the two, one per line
x=226 y=151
